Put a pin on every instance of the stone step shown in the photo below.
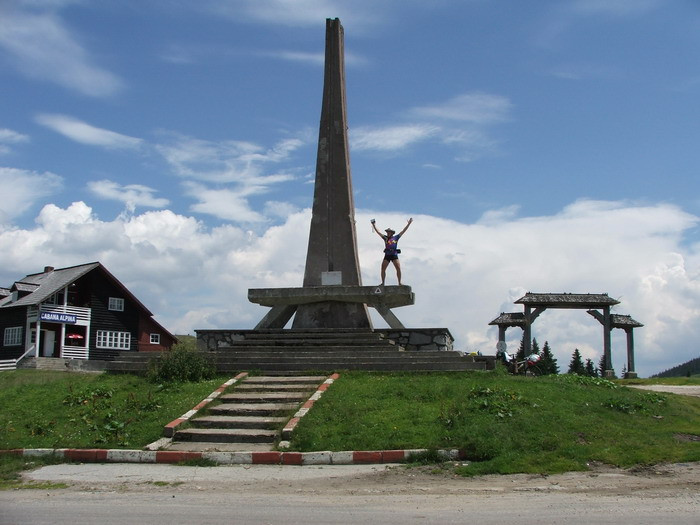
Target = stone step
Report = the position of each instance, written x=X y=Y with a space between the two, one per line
x=321 y=359
x=226 y=435
x=310 y=342
x=303 y=366
x=264 y=397
x=284 y=380
x=238 y=422
x=384 y=347
x=308 y=388
x=253 y=409
x=320 y=332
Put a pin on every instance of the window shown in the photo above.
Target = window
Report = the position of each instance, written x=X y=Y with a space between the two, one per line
x=155 y=339
x=13 y=336
x=116 y=304
x=117 y=340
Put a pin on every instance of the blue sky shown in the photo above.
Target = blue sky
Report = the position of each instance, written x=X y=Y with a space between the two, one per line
x=540 y=146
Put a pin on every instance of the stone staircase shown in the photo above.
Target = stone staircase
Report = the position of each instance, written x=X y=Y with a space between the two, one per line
x=331 y=350
x=250 y=417
x=320 y=350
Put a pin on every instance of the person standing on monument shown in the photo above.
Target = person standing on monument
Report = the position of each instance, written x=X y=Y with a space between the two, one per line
x=391 y=251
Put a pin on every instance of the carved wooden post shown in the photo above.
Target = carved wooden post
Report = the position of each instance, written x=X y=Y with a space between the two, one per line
x=527 y=331
x=607 y=351
x=631 y=374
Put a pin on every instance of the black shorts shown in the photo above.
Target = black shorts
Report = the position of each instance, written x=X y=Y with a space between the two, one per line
x=392 y=257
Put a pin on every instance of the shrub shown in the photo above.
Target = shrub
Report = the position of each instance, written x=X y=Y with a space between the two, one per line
x=181 y=364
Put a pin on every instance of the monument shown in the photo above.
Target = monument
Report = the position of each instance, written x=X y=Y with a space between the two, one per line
x=332 y=295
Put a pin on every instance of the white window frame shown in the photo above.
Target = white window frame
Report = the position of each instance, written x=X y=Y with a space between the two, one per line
x=113 y=340
x=155 y=339
x=12 y=336
x=116 y=304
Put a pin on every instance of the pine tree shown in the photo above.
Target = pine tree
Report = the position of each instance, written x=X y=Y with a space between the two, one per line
x=601 y=366
x=548 y=365
x=591 y=369
x=576 y=365
x=520 y=354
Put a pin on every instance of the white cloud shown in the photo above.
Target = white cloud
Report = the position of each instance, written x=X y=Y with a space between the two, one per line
x=226 y=161
x=463 y=275
x=42 y=47
x=223 y=202
x=297 y=13
x=477 y=108
x=8 y=136
x=85 y=133
x=460 y=123
x=20 y=189
x=390 y=138
x=238 y=168
x=131 y=194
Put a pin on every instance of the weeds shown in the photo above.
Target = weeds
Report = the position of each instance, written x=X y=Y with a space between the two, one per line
x=83 y=411
x=501 y=423
x=181 y=364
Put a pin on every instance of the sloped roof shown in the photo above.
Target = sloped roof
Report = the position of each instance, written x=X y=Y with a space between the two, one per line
x=567 y=300
x=24 y=287
x=623 y=321
x=509 y=319
x=45 y=284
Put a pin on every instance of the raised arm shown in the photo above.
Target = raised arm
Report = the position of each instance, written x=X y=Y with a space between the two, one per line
x=406 y=227
x=374 y=225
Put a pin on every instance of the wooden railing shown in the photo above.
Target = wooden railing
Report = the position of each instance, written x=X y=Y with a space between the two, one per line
x=11 y=364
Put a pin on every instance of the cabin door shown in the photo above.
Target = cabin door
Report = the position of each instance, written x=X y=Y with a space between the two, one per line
x=48 y=339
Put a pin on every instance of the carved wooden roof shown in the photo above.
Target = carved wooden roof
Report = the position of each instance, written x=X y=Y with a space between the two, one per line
x=567 y=300
x=623 y=321
x=509 y=319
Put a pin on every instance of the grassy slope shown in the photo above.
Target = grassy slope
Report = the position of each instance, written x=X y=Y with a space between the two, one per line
x=45 y=409
x=506 y=424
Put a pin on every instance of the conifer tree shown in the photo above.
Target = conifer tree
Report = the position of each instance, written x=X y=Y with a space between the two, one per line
x=548 y=365
x=520 y=354
x=591 y=370
x=576 y=365
x=601 y=366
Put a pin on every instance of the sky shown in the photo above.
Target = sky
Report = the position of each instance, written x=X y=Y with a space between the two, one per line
x=548 y=146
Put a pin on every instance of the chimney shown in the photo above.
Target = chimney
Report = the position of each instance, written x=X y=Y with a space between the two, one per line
x=48 y=269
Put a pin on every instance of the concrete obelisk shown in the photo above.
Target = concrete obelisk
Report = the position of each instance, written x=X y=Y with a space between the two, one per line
x=331 y=257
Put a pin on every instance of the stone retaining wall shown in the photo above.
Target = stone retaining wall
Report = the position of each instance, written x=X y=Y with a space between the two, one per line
x=420 y=339
x=62 y=364
x=412 y=339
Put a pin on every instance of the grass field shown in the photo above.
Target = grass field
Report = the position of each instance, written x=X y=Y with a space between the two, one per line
x=505 y=424
x=46 y=409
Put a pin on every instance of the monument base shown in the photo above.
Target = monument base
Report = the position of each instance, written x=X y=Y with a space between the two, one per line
x=330 y=306
x=333 y=314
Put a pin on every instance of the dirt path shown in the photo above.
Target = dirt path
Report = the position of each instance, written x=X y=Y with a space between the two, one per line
x=114 y=494
x=686 y=390
x=368 y=479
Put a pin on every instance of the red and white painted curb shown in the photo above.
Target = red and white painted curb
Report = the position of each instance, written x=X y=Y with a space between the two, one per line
x=153 y=455
x=356 y=457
